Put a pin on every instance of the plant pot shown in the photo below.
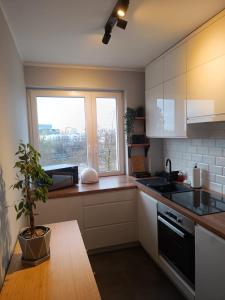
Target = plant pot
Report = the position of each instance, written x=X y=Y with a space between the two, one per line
x=35 y=249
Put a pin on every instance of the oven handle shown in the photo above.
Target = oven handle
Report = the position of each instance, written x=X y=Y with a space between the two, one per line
x=170 y=226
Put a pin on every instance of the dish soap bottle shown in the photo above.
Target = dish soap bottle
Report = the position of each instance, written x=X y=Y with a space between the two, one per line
x=196 y=177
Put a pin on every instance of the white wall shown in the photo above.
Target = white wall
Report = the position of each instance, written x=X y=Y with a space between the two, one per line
x=13 y=127
x=132 y=83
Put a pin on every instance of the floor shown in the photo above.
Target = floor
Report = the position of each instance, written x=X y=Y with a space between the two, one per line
x=130 y=274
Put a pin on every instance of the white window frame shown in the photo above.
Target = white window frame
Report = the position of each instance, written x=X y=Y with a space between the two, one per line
x=91 y=127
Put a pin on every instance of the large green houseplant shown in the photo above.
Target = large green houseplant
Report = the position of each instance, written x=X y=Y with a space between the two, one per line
x=33 y=183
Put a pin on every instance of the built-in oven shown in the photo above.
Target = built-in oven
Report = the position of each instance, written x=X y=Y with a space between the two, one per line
x=177 y=242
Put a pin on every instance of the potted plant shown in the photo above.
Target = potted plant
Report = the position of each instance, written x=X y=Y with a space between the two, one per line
x=129 y=117
x=33 y=183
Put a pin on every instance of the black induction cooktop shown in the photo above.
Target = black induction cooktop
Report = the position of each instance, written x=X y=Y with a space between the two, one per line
x=197 y=201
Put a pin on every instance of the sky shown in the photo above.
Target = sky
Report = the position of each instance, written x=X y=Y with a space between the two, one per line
x=70 y=112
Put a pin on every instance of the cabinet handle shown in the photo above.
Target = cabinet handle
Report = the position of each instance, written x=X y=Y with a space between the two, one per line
x=170 y=226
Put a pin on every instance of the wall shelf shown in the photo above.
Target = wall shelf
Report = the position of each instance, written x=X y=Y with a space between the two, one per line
x=145 y=146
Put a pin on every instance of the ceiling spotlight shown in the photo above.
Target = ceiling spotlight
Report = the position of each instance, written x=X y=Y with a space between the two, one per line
x=121 y=13
x=122 y=8
x=107 y=35
x=116 y=18
x=121 y=24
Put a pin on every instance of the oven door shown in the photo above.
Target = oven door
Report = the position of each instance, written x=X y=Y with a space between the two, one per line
x=177 y=246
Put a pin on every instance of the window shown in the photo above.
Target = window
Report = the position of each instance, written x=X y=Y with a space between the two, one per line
x=82 y=128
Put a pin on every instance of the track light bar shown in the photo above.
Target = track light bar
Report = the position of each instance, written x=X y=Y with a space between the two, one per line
x=116 y=18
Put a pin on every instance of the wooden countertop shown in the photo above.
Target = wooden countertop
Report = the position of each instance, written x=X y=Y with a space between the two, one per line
x=214 y=222
x=109 y=183
x=66 y=275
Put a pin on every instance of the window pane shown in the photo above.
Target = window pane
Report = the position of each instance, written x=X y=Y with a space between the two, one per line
x=107 y=134
x=62 y=132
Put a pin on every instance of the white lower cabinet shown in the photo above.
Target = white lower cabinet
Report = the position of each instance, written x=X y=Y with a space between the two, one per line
x=147 y=224
x=105 y=218
x=110 y=235
x=110 y=219
x=210 y=265
x=60 y=210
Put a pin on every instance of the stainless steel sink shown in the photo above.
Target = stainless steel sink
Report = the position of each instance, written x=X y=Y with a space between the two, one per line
x=164 y=187
x=171 y=188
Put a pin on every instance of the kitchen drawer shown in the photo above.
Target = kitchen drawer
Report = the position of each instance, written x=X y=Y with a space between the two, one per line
x=60 y=210
x=110 y=235
x=111 y=213
x=107 y=197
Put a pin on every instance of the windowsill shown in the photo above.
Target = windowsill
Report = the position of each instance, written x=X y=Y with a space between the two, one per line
x=108 y=183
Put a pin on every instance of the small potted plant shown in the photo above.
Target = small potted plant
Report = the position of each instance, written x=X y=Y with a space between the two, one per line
x=33 y=183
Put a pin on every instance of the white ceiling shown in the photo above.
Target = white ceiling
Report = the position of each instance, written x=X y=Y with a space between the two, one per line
x=70 y=31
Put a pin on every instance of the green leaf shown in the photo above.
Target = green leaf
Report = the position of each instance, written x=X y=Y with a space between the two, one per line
x=19 y=215
x=21 y=205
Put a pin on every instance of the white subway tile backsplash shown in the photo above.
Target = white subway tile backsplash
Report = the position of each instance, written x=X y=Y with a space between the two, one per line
x=209 y=154
x=220 y=179
x=216 y=187
x=215 y=151
x=191 y=149
x=209 y=159
x=212 y=177
x=208 y=142
x=186 y=156
x=196 y=142
x=203 y=150
x=220 y=161
x=196 y=158
x=218 y=170
x=220 y=143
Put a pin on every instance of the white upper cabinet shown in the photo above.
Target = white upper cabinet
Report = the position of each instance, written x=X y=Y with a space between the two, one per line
x=166 y=95
x=201 y=57
x=206 y=45
x=154 y=111
x=175 y=107
x=206 y=91
x=147 y=77
x=175 y=62
x=154 y=73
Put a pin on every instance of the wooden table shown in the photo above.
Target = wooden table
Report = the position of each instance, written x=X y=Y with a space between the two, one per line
x=66 y=275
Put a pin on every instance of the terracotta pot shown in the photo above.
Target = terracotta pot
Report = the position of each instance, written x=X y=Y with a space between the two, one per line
x=37 y=249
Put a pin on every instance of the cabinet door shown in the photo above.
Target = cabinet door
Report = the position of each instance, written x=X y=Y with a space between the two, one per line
x=210 y=265
x=175 y=107
x=154 y=112
x=147 y=77
x=175 y=62
x=207 y=44
x=147 y=222
x=205 y=89
x=155 y=72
